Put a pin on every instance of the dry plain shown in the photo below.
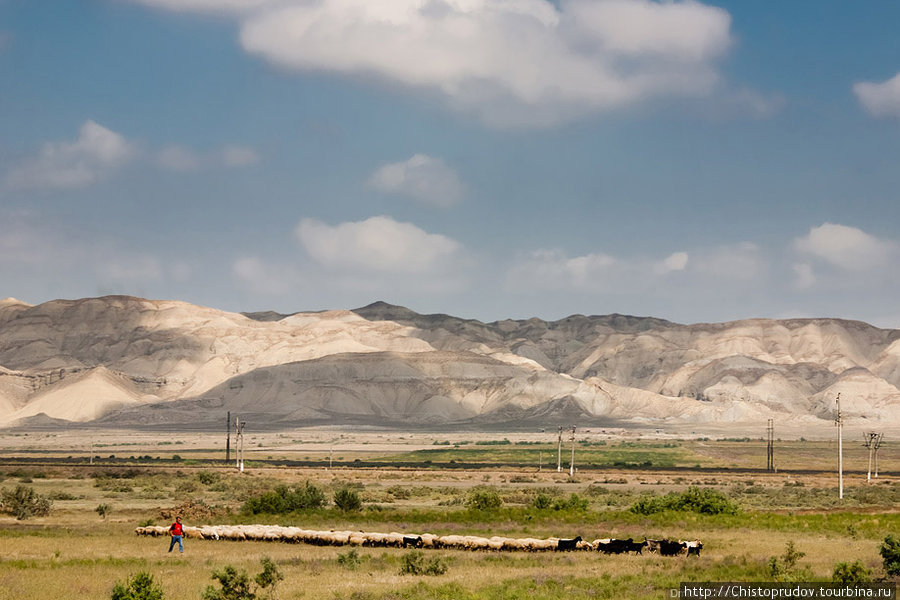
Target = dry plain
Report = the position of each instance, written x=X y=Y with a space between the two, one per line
x=423 y=482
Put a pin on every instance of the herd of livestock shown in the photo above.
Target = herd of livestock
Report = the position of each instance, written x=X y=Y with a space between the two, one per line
x=278 y=533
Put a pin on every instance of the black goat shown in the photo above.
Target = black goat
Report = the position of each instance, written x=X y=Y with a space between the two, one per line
x=571 y=544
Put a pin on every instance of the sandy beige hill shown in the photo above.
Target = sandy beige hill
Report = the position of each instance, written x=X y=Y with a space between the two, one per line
x=121 y=360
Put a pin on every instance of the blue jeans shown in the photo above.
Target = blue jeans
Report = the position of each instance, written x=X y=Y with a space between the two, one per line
x=176 y=538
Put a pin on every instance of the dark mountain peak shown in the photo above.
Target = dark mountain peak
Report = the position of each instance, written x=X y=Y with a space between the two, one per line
x=384 y=311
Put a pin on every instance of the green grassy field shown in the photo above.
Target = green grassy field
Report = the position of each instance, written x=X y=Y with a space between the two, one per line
x=75 y=553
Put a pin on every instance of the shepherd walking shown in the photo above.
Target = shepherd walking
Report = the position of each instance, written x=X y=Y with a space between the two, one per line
x=177 y=534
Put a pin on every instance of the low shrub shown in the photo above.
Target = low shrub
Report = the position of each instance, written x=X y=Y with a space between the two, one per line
x=23 y=502
x=350 y=560
x=890 y=554
x=542 y=502
x=236 y=585
x=399 y=492
x=414 y=563
x=208 y=477
x=573 y=502
x=347 y=500
x=704 y=501
x=139 y=587
x=284 y=499
x=784 y=568
x=63 y=496
x=484 y=499
x=848 y=573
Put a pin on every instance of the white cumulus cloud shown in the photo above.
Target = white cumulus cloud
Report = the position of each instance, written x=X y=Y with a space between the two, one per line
x=509 y=62
x=880 y=99
x=96 y=153
x=554 y=269
x=677 y=261
x=378 y=244
x=423 y=178
x=600 y=273
x=847 y=248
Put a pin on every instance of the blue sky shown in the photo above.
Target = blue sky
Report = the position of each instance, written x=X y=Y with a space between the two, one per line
x=484 y=158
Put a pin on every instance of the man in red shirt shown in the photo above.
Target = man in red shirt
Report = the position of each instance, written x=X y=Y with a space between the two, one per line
x=177 y=533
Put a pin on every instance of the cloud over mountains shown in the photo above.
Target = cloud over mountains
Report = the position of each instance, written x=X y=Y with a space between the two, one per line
x=511 y=64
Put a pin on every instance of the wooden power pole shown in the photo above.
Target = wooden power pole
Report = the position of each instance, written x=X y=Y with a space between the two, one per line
x=228 y=438
x=559 y=452
x=839 y=421
x=877 y=445
x=770 y=446
x=572 y=462
x=239 y=443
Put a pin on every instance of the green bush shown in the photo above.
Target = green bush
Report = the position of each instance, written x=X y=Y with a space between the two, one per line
x=399 y=492
x=269 y=577
x=284 y=499
x=103 y=510
x=705 y=501
x=236 y=585
x=347 y=500
x=542 y=502
x=573 y=502
x=23 y=502
x=854 y=572
x=207 y=477
x=890 y=554
x=63 y=496
x=783 y=568
x=484 y=499
x=414 y=563
x=139 y=587
x=351 y=560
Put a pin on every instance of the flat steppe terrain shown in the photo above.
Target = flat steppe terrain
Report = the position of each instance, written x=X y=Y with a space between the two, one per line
x=416 y=482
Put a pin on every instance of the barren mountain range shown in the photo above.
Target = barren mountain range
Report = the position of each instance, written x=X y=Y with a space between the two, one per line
x=121 y=361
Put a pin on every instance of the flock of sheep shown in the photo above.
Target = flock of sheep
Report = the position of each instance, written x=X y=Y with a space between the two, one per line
x=277 y=533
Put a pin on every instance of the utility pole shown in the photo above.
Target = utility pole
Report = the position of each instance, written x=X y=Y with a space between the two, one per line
x=572 y=462
x=559 y=452
x=839 y=421
x=877 y=445
x=228 y=438
x=770 y=446
x=540 y=460
x=239 y=443
x=872 y=441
